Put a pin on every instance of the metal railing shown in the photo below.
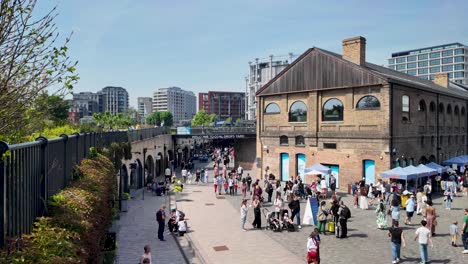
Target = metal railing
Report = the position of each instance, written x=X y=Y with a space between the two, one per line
x=30 y=173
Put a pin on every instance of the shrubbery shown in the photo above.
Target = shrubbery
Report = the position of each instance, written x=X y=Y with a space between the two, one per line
x=79 y=216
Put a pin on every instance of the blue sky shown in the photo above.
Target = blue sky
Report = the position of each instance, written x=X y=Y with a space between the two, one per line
x=204 y=45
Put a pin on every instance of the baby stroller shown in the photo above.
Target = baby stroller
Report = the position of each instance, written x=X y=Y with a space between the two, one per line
x=272 y=223
x=287 y=223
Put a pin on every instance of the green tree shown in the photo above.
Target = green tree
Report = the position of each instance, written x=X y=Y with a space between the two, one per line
x=30 y=63
x=201 y=118
x=228 y=121
x=153 y=119
x=52 y=107
x=166 y=118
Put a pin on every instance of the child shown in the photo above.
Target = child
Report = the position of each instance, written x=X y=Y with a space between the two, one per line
x=231 y=186
x=182 y=226
x=189 y=177
x=226 y=187
x=235 y=185
x=454 y=233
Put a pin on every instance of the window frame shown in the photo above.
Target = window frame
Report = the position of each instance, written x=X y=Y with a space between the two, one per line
x=289 y=112
x=281 y=138
x=272 y=113
x=297 y=141
x=368 y=108
x=342 y=111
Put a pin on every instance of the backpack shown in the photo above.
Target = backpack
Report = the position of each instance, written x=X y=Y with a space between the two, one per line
x=346 y=213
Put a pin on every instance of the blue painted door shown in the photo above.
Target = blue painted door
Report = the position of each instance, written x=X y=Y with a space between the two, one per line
x=335 y=170
x=300 y=164
x=284 y=166
x=369 y=171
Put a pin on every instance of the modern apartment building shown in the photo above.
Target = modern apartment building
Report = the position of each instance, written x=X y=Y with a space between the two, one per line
x=260 y=72
x=114 y=100
x=111 y=99
x=426 y=62
x=145 y=107
x=85 y=103
x=181 y=103
x=223 y=104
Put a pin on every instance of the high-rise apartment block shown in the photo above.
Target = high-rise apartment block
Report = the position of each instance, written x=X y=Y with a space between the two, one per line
x=110 y=99
x=260 y=72
x=181 y=103
x=114 y=99
x=223 y=104
x=145 y=107
x=426 y=62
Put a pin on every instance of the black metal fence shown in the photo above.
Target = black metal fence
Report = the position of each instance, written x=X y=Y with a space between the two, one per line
x=30 y=173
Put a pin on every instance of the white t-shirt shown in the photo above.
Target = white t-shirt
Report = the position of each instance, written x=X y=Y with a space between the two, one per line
x=243 y=211
x=184 y=172
x=168 y=172
x=182 y=226
x=423 y=234
x=311 y=245
x=323 y=184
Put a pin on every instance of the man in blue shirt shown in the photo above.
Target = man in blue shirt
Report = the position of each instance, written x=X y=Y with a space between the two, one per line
x=409 y=209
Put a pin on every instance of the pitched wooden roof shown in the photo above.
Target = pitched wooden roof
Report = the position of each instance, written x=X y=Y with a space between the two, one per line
x=318 y=69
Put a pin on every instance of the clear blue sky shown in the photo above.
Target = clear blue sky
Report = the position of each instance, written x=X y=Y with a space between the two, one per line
x=204 y=45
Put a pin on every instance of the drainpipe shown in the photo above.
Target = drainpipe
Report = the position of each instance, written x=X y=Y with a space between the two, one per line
x=437 y=133
x=391 y=124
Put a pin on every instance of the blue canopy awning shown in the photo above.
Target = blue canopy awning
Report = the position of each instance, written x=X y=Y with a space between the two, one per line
x=436 y=167
x=400 y=173
x=460 y=160
x=425 y=170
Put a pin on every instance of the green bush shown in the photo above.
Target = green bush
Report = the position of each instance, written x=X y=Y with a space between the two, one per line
x=79 y=218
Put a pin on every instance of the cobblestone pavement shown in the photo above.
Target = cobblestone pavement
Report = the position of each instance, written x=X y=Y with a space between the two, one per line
x=138 y=227
x=365 y=244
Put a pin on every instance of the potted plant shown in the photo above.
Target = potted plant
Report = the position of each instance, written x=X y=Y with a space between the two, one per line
x=125 y=198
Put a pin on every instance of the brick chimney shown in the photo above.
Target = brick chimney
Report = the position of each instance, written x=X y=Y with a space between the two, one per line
x=354 y=50
x=441 y=79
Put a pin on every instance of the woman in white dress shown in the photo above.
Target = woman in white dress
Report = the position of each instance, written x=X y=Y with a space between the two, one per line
x=363 y=204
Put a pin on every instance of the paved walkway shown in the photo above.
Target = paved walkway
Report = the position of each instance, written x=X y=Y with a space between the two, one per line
x=138 y=227
x=214 y=222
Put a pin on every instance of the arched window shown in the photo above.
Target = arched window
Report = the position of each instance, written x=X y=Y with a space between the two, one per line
x=272 y=108
x=422 y=141
x=300 y=141
x=449 y=140
x=449 y=109
x=284 y=140
x=298 y=112
x=441 y=108
x=456 y=111
x=368 y=102
x=432 y=106
x=332 y=110
x=463 y=111
x=422 y=106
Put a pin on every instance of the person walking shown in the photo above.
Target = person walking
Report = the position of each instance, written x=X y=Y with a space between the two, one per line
x=279 y=205
x=184 y=175
x=409 y=210
x=243 y=213
x=295 y=207
x=167 y=175
x=257 y=223
x=381 y=215
x=465 y=232
x=454 y=233
x=240 y=171
x=449 y=193
x=220 y=183
x=313 y=249
x=161 y=219
x=431 y=216
x=395 y=212
x=423 y=234
x=244 y=188
x=363 y=204
x=269 y=190
x=397 y=237
x=322 y=214
x=343 y=215
x=249 y=182
x=146 y=257
x=419 y=201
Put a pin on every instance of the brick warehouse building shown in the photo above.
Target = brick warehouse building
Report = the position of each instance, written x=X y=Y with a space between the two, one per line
x=356 y=117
